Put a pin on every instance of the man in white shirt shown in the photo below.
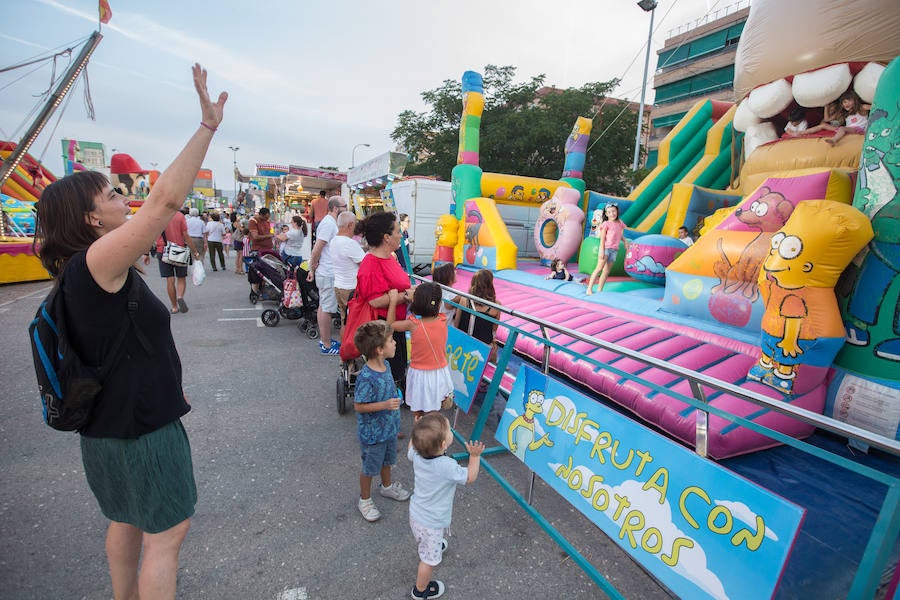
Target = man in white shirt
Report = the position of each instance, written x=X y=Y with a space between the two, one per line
x=321 y=267
x=346 y=254
x=197 y=232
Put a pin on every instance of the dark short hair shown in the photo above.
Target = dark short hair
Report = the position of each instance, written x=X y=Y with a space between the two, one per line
x=797 y=114
x=264 y=211
x=444 y=274
x=371 y=336
x=60 y=226
x=322 y=193
x=377 y=225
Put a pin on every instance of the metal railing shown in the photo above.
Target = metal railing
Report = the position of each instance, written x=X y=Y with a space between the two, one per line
x=887 y=525
x=709 y=17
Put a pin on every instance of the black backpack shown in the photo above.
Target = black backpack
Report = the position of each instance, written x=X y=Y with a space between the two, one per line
x=68 y=387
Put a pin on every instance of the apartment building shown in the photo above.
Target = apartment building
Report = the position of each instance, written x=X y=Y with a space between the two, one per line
x=695 y=62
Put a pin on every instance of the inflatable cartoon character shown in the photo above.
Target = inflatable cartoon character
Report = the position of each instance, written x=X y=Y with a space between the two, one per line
x=557 y=232
x=73 y=158
x=801 y=326
x=473 y=227
x=446 y=234
x=521 y=431
x=596 y=219
x=767 y=214
x=877 y=197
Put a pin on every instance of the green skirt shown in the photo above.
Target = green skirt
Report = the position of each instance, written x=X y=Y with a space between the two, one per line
x=147 y=482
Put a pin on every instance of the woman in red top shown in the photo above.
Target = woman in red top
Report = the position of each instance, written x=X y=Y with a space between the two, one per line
x=379 y=272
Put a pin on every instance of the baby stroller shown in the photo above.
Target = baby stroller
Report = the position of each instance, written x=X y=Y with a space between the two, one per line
x=351 y=361
x=267 y=275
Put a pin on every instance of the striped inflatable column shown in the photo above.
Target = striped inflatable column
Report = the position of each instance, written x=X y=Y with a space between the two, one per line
x=466 y=175
x=576 y=148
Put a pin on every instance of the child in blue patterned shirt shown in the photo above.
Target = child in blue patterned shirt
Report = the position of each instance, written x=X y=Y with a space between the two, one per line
x=377 y=404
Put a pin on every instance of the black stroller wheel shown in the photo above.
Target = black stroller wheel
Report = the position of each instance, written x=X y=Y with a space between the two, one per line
x=270 y=317
x=254 y=297
x=336 y=323
x=312 y=332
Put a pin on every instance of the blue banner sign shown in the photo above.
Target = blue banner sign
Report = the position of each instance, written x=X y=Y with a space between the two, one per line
x=467 y=358
x=702 y=530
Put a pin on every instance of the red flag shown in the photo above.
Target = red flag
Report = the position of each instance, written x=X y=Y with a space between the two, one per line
x=105 y=12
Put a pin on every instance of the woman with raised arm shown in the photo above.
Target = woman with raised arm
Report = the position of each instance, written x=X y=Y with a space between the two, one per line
x=135 y=451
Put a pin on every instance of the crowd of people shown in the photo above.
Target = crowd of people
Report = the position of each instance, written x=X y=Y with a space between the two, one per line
x=135 y=451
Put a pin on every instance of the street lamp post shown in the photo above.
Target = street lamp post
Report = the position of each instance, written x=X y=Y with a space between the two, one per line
x=234 y=150
x=647 y=6
x=353 y=154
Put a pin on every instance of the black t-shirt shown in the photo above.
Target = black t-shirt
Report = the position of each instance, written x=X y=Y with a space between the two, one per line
x=142 y=392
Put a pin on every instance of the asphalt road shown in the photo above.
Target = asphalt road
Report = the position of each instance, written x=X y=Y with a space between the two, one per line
x=277 y=474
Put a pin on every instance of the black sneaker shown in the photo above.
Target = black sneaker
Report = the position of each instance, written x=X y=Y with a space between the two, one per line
x=435 y=589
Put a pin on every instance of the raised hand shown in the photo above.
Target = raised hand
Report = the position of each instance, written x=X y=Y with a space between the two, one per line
x=211 y=113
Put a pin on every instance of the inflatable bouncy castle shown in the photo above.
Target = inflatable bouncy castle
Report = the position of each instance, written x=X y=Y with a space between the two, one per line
x=790 y=289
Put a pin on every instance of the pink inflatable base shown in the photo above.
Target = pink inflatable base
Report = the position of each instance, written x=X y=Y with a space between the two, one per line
x=711 y=354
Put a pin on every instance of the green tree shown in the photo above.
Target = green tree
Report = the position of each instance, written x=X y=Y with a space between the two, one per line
x=522 y=133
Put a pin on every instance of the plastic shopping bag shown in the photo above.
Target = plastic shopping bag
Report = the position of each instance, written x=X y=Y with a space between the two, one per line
x=198 y=273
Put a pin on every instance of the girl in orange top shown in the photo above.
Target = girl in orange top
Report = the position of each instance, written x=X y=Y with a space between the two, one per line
x=428 y=377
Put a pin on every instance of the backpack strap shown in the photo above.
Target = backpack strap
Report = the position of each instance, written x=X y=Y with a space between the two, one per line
x=114 y=353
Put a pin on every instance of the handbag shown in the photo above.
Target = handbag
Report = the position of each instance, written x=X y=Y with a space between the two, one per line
x=359 y=311
x=291 y=297
x=446 y=401
x=175 y=255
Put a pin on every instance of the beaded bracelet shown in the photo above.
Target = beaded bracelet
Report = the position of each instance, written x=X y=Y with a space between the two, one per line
x=213 y=129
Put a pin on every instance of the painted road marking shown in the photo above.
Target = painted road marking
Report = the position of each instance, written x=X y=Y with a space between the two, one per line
x=293 y=594
x=44 y=291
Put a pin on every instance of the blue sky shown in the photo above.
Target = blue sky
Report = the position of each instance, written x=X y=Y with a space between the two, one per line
x=308 y=80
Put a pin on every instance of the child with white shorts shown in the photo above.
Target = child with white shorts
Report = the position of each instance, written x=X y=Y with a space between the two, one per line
x=431 y=505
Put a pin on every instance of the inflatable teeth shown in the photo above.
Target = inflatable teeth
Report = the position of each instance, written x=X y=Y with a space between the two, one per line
x=757 y=135
x=744 y=117
x=866 y=81
x=768 y=100
x=819 y=87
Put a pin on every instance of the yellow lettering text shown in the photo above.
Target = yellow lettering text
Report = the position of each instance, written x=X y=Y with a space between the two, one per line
x=601 y=500
x=563 y=471
x=713 y=516
x=688 y=491
x=624 y=503
x=582 y=434
x=659 y=482
x=654 y=534
x=601 y=442
x=645 y=458
x=754 y=539
x=680 y=543
x=556 y=414
x=612 y=455
x=575 y=478
x=595 y=479
x=634 y=521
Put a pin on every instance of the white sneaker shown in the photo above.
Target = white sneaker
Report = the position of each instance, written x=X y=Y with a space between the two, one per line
x=368 y=510
x=395 y=491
